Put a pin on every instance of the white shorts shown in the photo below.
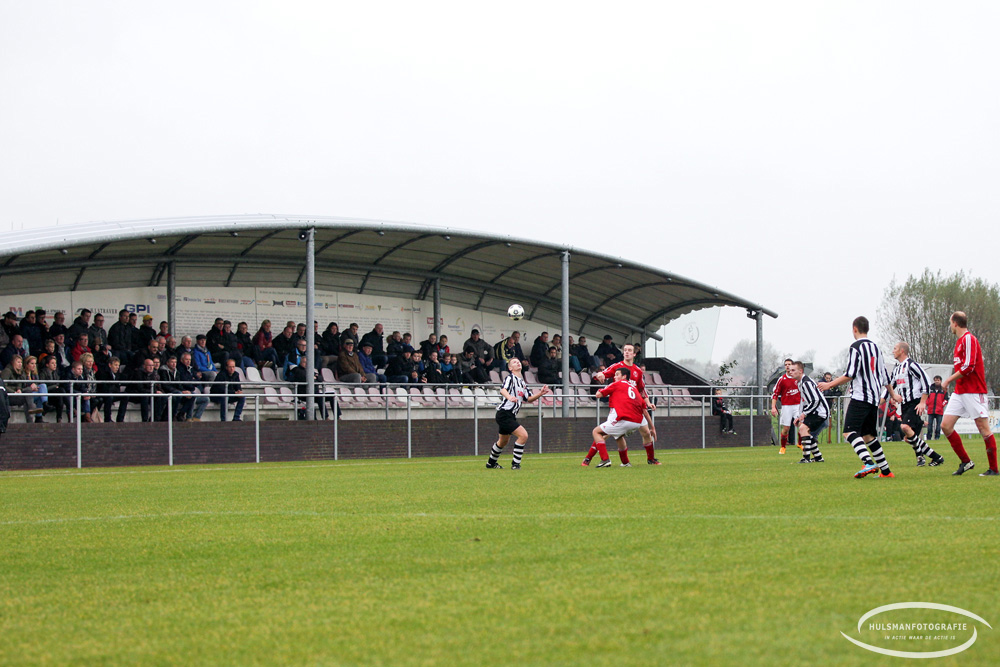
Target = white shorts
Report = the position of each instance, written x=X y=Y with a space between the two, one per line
x=789 y=413
x=616 y=428
x=967 y=405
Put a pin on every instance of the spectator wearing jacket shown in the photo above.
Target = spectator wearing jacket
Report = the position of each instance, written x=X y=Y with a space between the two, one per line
x=231 y=344
x=367 y=365
x=110 y=381
x=152 y=351
x=448 y=369
x=80 y=325
x=937 y=399
x=540 y=349
x=432 y=369
x=352 y=333
x=146 y=332
x=31 y=332
x=81 y=347
x=374 y=338
x=428 y=346
x=120 y=338
x=170 y=385
x=244 y=341
x=10 y=325
x=263 y=346
x=329 y=345
x=507 y=349
x=147 y=378
x=549 y=371
x=97 y=335
x=284 y=344
x=481 y=350
x=59 y=325
x=401 y=369
x=301 y=347
x=348 y=364
x=214 y=341
x=608 y=352
x=394 y=345
x=228 y=382
x=19 y=382
x=14 y=349
x=201 y=359
x=50 y=376
x=187 y=376
x=469 y=368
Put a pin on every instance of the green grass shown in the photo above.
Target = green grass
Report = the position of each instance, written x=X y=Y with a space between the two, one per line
x=717 y=557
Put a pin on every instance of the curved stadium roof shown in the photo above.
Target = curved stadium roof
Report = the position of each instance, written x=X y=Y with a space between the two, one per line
x=479 y=271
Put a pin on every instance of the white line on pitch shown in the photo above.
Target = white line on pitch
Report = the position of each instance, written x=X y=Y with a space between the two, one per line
x=477 y=516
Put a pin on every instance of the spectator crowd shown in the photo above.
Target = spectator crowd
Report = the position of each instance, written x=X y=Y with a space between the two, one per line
x=64 y=365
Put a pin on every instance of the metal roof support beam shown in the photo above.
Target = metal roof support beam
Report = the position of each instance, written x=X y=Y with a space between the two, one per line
x=437 y=309
x=310 y=270
x=565 y=334
x=172 y=296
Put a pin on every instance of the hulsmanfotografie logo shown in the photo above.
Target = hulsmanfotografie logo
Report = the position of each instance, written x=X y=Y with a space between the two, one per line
x=919 y=628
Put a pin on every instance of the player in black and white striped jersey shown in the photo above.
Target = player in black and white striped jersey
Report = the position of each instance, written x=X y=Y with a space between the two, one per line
x=868 y=377
x=814 y=415
x=514 y=392
x=909 y=388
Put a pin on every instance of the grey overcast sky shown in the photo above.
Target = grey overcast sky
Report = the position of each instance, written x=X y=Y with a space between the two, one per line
x=768 y=148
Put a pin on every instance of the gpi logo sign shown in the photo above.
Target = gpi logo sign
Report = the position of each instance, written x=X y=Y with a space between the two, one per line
x=916 y=631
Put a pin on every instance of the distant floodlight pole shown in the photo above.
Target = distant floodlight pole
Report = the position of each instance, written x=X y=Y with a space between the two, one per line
x=437 y=308
x=565 y=333
x=310 y=318
x=172 y=296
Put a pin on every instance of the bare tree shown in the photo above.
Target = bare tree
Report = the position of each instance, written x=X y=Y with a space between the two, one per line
x=918 y=311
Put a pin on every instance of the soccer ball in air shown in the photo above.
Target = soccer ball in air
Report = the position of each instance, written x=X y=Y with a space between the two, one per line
x=515 y=312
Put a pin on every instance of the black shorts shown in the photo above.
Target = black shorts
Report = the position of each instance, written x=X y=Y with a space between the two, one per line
x=910 y=416
x=507 y=422
x=861 y=418
x=815 y=423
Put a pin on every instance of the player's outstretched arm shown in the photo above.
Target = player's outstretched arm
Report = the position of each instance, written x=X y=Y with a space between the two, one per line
x=823 y=386
x=544 y=391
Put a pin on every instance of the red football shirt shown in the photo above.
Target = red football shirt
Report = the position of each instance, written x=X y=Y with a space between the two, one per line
x=969 y=362
x=635 y=377
x=624 y=400
x=787 y=391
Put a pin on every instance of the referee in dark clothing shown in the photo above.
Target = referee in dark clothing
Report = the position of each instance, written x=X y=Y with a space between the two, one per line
x=868 y=377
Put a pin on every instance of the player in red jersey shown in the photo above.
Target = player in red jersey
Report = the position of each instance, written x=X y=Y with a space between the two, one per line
x=969 y=399
x=787 y=391
x=628 y=413
x=636 y=379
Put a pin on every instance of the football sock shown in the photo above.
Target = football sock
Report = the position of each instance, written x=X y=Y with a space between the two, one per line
x=915 y=443
x=495 y=453
x=518 y=452
x=879 y=456
x=860 y=448
x=956 y=444
x=807 y=446
x=594 y=448
x=991 y=450
x=784 y=439
x=623 y=455
x=603 y=451
x=650 y=452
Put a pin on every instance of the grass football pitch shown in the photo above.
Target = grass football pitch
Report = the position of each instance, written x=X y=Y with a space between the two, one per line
x=732 y=556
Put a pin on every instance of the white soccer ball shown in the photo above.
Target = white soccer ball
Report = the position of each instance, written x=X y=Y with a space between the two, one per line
x=515 y=312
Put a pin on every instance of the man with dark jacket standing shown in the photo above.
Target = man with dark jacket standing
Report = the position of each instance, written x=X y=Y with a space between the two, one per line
x=80 y=325
x=120 y=338
x=214 y=341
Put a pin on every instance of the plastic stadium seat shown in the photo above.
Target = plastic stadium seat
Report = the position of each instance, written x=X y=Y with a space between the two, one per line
x=529 y=377
x=272 y=397
x=242 y=376
x=326 y=375
x=430 y=397
x=268 y=374
x=495 y=377
x=574 y=377
x=253 y=375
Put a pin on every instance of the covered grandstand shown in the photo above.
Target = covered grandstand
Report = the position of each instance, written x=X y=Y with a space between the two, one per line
x=570 y=289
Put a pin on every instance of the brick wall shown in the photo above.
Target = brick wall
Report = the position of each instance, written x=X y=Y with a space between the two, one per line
x=30 y=446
